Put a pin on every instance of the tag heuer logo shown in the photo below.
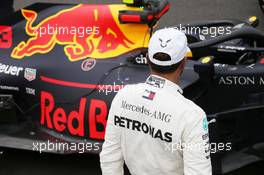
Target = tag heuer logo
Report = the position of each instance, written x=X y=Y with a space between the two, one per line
x=30 y=74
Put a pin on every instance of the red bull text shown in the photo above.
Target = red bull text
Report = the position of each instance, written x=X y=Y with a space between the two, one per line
x=56 y=118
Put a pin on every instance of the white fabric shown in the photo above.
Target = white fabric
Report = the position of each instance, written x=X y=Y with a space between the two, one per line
x=170 y=41
x=159 y=106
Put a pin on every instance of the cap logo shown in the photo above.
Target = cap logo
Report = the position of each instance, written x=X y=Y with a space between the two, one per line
x=164 y=44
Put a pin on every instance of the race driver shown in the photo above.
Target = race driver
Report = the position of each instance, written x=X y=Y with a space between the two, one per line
x=151 y=126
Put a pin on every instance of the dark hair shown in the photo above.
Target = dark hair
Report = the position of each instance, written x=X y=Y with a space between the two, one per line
x=163 y=69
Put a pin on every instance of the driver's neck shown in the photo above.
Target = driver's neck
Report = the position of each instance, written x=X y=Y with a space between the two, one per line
x=173 y=77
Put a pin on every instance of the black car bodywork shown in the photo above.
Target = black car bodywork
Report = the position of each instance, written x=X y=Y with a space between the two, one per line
x=49 y=95
x=261 y=3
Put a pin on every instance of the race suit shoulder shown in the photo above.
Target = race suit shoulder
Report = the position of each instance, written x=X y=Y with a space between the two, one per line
x=155 y=130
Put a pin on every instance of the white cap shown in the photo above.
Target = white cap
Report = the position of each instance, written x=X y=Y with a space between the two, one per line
x=170 y=41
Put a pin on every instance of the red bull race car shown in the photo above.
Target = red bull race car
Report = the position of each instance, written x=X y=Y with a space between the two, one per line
x=61 y=65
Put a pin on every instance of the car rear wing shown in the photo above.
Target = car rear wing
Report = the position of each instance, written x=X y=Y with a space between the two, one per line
x=152 y=11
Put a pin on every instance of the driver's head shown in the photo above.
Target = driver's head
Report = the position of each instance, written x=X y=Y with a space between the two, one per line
x=167 y=52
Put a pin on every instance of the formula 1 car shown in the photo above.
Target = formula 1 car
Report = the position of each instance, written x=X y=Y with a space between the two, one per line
x=61 y=65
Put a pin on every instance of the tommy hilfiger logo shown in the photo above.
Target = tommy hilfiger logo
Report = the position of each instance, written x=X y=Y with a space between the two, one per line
x=149 y=95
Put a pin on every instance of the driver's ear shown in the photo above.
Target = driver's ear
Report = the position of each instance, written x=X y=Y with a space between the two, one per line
x=183 y=63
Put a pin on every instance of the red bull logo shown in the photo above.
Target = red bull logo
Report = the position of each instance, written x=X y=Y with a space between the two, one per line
x=102 y=36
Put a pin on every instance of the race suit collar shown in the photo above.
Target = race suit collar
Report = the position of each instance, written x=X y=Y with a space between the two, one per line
x=160 y=82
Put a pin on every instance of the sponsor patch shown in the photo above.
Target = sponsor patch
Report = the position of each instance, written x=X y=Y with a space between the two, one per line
x=81 y=38
x=205 y=136
x=156 y=82
x=10 y=70
x=205 y=124
x=30 y=74
x=141 y=59
x=9 y=88
x=149 y=95
x=143 y=128
x=74 y=121
x=241 y=80
x=30 y=91
x=88 y=64
x=155 y=114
